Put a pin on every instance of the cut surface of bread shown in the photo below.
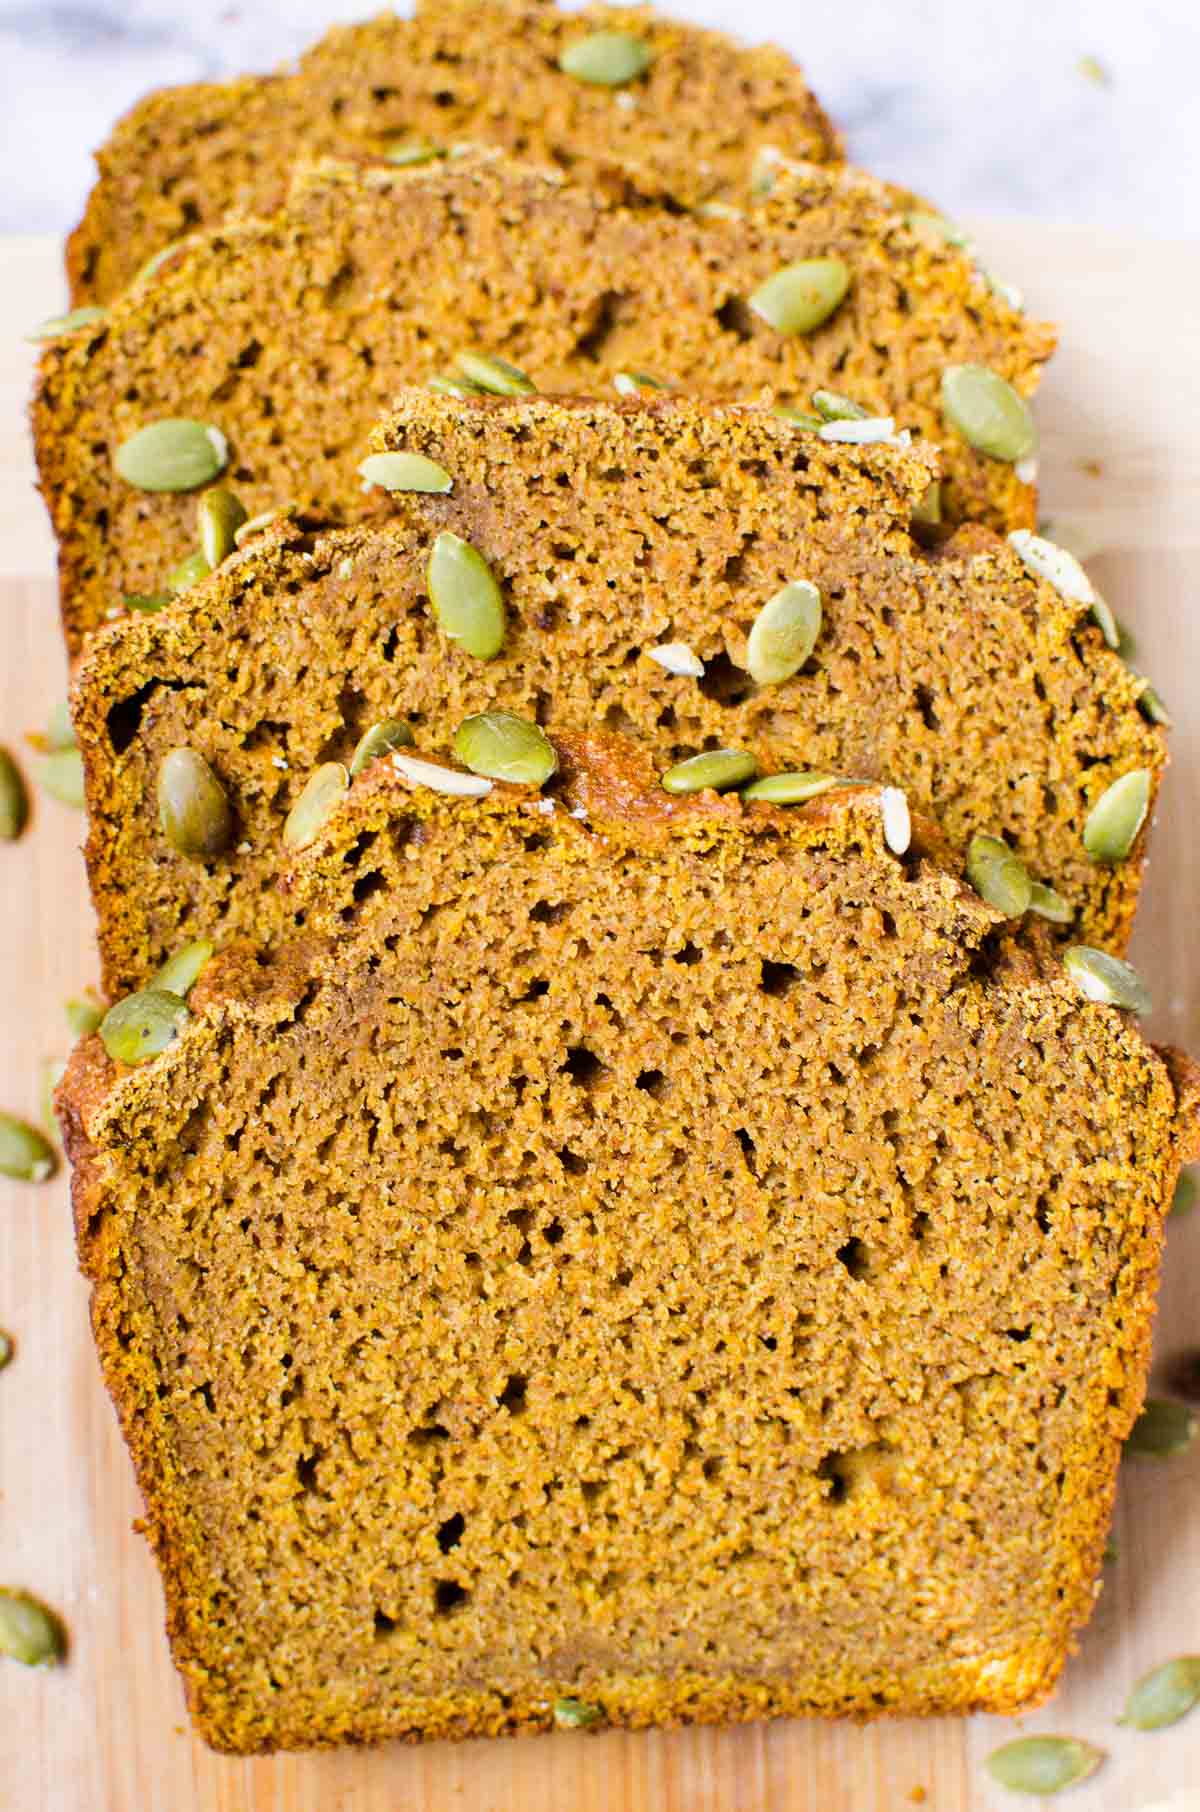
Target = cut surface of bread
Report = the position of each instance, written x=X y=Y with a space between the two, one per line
x=649 y=1259
x=291 y=336
x=612 y=529
x=459 y=71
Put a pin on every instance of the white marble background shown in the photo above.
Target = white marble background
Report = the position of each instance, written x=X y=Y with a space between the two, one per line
x=983 y=104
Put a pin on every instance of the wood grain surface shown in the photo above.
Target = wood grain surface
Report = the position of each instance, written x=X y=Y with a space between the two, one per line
x=1120 y=414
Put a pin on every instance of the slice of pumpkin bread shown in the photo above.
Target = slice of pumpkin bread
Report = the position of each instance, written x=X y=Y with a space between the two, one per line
x=288 y=338
x=627 y=540
x=651 y=1264
x=687 y=124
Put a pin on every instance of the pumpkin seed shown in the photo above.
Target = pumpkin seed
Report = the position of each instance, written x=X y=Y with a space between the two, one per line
x=897 y=820
x=987 y=412
x=7 y=1348
x=1043 y=1764
x=1106 y=978
x=871 y=431
x=501 y=746
x=1126 y=645
x=1054 y=564
x=52 y=1071
x=716 y=770
x=14 y=800
x=793 y=788
x=575 y=1714
x=784 y=634
x=142 y=1025
x=1164 y=1695
x=934 y=230
x=29 y=1633
x=389 y=733
x=1163 y=1429
x=832 y=406
x=58 y=327
x=496 y=376
x=406 y=152
x=636 y=383
x=1184 y=1199
x=1113 y=823
x=148 y=603
x=221 y=516
x=155 y=261
x=798 y=298
x=1185 y=1376
x=60 y=731
x=319 y=799
x=24 y=1153
x=61 y=774
x=1050 y=905
x=928 y=509
x=405 y=472
x=1110 y=1552
x=1105 y=622
x=84 y=1013
x=677 y=658
x=256 y=525
x=180 y=973
x=465 y=597
x=796 y=418
x=173 y=455
x=441 y=780
x=718 y=210
x=445 y=384
x=998 y=876
x=608 y=59
x=193 y=810
x=189 y=572
x=1151 y=706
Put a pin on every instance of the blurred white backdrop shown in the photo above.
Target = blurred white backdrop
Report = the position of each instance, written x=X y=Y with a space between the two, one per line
x=1034 y=107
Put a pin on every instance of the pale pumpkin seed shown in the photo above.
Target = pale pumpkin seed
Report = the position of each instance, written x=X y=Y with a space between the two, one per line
x=832 y=406
x=319 y=799
x=84 y=1013
x=1050 y=905
x=24 y=1154
x=987 y=412
x=189 y=572
x=405 y=472
x=784 y=634
x=678 y=659
x=180 y=973
x=1111 y=827
x=871 y=431
x=796 y=418
x=29 y=1633
x=792 y=788
x=221 y=516
x=406 y=152
x=1106 y=978
x=59 y=327
x=256 y=525
x=607 y=59
x=501 y=746
x=934 y=229
x=193 y=809
x=60 y=731
x=14 y=800
x=897 y=820
x=716 y=770
x=575 y=1714
x=1163 y=1429
x=142 y=1025
x=1106 y=622
x=496 y=376
x=446 y=384
x=998 y=876
x=441 y=780
x=1164 y=1695
x=636 y=383
x=1184 y=1199
x=148 y=603
x=61 y=774
x=1043 y=1764
x=7 y=1348
x=173 y=455
x=798 y=298
x=1151 y=706
x=389 y=733
x=1055 y=564
x=465 y=597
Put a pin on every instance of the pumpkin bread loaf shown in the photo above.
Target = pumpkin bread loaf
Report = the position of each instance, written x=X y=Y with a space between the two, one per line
x=616 y=532
x=650 y=1263
x=287 y=338
x=687 y=125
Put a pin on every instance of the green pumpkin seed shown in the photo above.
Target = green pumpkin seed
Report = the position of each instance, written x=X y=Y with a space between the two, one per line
x=193 y=810
x=1164 y=1695
x=24 y=1154
x=465 y=597
x=495 y=376
x=784 y=634
x=180 y=973
x=575 y=1714
x=1111 y=827
x=14 y=800
x=52 y=1071
x=156 y=261
x=1106 y=979
x=1126 y=646
x=1043 y=1764
x=441 y=780
x=927 y=511
x=142 y=1025
x=221 y=516
x=84 y=1013
x=407 y=152
x=1151 y=706
x=987 y=412
x=29 y=1633
x=189 y=572
x=58 y=327
x=1054 y=564
x=1105 y=622
x=934 y=230
x=445 y=384
x=319 y=799
x=796 y=418
x=792 y=789
x=1163 y=1429
x=60 y=731
x=608 y=59
x=1050 y=905
x=717 y=770
x=405 y=472
x=1184 y=1199
x=636 y=383
x=61 y=775
x=7 y=1348
x=897 y=820
x=503 y=747
x=998 y=876
x=148 y=603
x=1110 y=1552
x=173 y=455
x=832 y=406
x=390 y=733
x=801 y=296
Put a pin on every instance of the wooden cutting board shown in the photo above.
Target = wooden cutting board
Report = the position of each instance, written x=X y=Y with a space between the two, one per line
x=1120 y=414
